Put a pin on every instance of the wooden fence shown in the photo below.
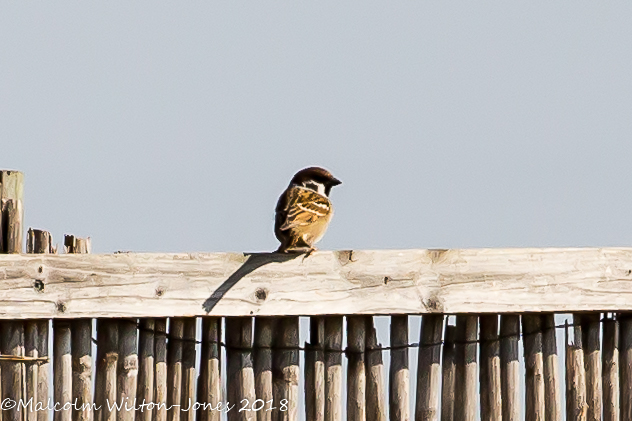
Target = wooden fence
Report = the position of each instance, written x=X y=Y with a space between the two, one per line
x=157 y=333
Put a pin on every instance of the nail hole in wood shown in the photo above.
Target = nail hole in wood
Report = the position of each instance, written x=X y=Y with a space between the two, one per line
x=61 y=306
x=38 y=285
x=160 y=291
x=261 y=294
x=387 y=279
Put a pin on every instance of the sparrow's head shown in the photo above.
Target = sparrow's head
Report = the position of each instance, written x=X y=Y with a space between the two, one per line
x=317 y=179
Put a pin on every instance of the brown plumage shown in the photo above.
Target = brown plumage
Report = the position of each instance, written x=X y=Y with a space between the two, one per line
x=304 y=210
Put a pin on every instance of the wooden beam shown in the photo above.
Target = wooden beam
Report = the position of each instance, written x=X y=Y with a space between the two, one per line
x=325 y=283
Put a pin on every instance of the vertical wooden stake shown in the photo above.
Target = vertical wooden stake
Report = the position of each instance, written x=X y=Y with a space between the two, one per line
x=36 y=336
x=62 y=368
x=209 y=389
x=510 y=334
x=187 y=412
x=286 y=370
x=333 y=368
x=145 y=390
x=429 y=368
x=491 y=403
x=576 y=407
x=264 y=326
x=610 y=372
x=465 y=387
x=375 y=382
x=160 y=374
x=591 y=324
x=356 y=374
x=315 y=371
x=11 y=188
x=127 y=369
x=240 y=376
x=449 y=371
x=399 y=373
x=107 y=361
x=552 y=382
x=534 y=362
x=174 y=368
x=625 y=365
x=81 y=348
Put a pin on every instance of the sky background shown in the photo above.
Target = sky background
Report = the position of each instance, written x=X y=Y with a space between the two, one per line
x=174 y=127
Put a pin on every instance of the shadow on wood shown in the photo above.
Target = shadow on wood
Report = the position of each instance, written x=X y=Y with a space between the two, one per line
x=254 y=262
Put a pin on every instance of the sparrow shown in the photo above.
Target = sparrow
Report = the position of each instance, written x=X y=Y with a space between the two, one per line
x=304 y=210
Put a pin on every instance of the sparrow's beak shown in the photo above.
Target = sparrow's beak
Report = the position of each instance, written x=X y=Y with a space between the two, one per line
x=334 y=181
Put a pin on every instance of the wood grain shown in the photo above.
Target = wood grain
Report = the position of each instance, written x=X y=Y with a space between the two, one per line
x=325 y=283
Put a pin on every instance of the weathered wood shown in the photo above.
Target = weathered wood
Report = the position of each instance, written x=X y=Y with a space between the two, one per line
x=417 y=281
x=576 y=406
x=591 y=325
x=534 y=365
x=209 y=388
x=36 y=338
x=552 y=381
x=107 y=361
x=286 y=369
x=81 y=348
x=356 y=372
x=625 y=365
x=510 y=382
x=127 y=369
x=264 y=327
x=240 y=375
x=375 y=382
x=449 y=371
x=466 y=369
x=11 y=211
x=399 y=372
x=187 y=412
x=315 y=371
x=12 y=341
x=610 y=373
x=146 y=362
x=489 y=378
x=160 y=374
x=429 y=368
x=333 y=368
x=62 y=369
x=174 y=368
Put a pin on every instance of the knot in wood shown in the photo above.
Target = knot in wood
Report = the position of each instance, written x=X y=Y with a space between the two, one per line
x=160 y=291
x=261 y=294
x=38 y=285
x=61 y=306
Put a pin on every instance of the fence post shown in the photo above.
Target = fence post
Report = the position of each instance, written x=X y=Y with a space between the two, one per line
x=491 y=403
x=160 y=375
x=465 y=386
x=356 y=371
x=333 y=368
x=399 y=374
x=315 y=371
x=448 y=373
x=610 y=371
x=264 y=328
x=209 y=388
x=429 y=368
x=286 y=370
x=552 y=384
x=534 y=367
x=240 y=377
x=510 y=334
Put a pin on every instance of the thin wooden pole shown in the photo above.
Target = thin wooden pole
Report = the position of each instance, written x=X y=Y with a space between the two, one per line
x=491 y=403
x=449 y=371
x=209 y=389
x=510 y=334
x=146 y=362
x=576 y=407
x=591 y=325
x=534 y=363
x=264 y=327
x=107 y=361
x=466 y=370
x=174 y=368
x=315 y=371
x=356 y=374
x=240 y=376
x=552 y=383
x=62 y=369
x=127 y=369
x=187 y=412
x=286 y=370
x=610 y=373
x=333 y=368
x=399 y=373
x=429 y=368
x=160 y=373
x=11 y=215
x=81 y=348
x=375 y=382
x=36 y=337
x=625 y=365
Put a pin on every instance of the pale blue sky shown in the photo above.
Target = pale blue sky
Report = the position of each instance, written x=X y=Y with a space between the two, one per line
x=174 y=127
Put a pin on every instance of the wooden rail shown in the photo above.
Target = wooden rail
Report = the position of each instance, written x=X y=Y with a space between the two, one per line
x=325 y=283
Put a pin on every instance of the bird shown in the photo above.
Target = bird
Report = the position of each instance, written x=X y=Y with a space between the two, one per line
x=304 y=210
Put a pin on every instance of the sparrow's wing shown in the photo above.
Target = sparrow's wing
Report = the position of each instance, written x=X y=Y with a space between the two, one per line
x=304 y=207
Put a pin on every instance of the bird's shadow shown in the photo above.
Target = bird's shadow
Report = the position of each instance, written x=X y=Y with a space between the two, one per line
x=254 y=262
